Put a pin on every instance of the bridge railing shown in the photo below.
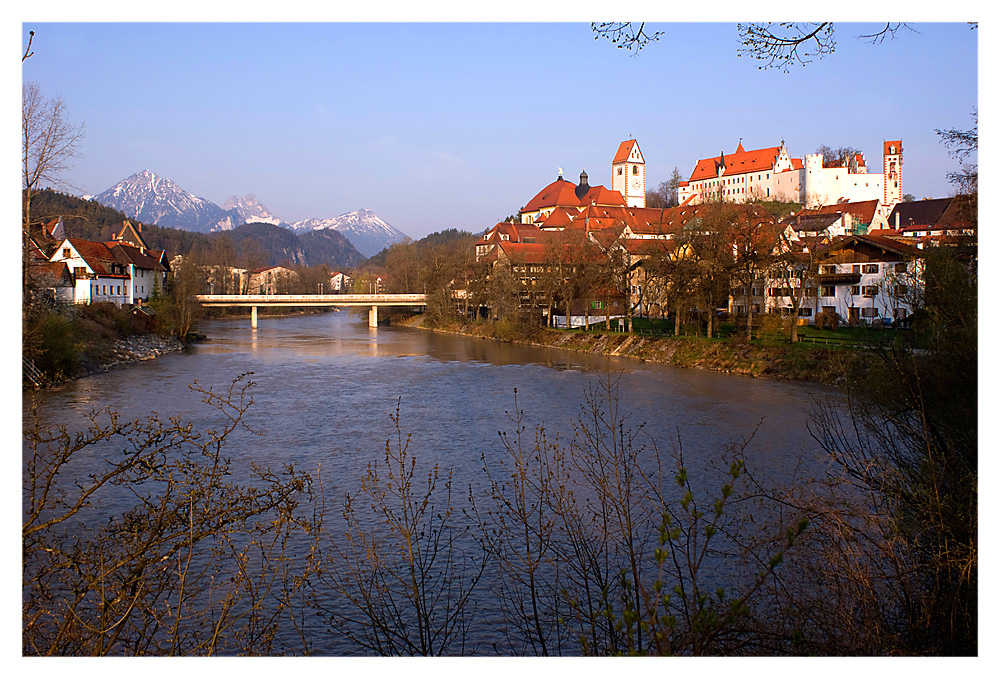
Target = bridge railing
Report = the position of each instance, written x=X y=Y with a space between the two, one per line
x=331 y=300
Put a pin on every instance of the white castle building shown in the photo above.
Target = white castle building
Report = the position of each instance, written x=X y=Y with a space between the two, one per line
x=771 y=174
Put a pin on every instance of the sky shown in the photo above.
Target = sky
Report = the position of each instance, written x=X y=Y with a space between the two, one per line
x=458 y=125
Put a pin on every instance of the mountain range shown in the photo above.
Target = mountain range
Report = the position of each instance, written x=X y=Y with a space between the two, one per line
x=153 y=199
x=366 y=230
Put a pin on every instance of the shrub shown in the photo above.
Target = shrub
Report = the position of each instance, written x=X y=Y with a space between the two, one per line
x=826 y=320
x=58 y=348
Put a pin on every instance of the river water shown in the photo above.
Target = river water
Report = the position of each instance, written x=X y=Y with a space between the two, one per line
x=327 y=385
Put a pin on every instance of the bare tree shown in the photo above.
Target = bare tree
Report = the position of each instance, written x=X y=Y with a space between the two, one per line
x=196 y=565
x=754 y=243
x=49 y=143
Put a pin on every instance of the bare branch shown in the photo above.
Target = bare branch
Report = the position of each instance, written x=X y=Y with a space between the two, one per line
x=779 y=45
x=27 y=50
x=889 y=31
x=625 y=34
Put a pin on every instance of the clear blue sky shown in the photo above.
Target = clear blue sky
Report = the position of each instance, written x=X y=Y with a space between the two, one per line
x=458 y=125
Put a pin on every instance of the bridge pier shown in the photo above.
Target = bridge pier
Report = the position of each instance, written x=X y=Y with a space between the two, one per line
x=373 y=317
x=253 y=317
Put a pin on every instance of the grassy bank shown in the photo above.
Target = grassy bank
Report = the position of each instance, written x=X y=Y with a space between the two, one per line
x=768 y=359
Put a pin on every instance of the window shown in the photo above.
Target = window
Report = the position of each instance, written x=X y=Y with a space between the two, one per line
x=901 y=267
x=807 y=312
x=855 y=289
x=830 y=268
x=856 y=268
x=828 y=291
x=870 y=290
x=619 y=170
x=869 y=312
x=869 y=268
x=901 y=289
x=635 y=169
x=66 y=253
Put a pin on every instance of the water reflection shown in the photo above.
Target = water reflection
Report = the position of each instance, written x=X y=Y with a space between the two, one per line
x=327 y=385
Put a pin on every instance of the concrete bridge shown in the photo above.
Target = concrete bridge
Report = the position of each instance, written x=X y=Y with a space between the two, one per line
x=254 y=301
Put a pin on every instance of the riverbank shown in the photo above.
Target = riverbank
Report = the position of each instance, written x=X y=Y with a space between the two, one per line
x=789 y=362
x=125 y=351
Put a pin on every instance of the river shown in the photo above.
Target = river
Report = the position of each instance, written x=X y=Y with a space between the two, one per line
x=327 y=385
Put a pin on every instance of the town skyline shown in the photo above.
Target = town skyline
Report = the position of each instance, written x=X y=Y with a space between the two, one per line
x=437 y=126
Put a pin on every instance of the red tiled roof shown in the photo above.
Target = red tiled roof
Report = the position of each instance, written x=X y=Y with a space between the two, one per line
x=514 y=231
x=97 y=256
x=740 y=162
x=129 y=254
x=559 y=218
x=863 y=210
x=624 y=149
x=897 y=143
x=55 y=271
x=562 y=193
x=889 y=244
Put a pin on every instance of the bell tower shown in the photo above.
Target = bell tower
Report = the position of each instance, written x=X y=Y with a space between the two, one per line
x=892 y=172
x=628 y=174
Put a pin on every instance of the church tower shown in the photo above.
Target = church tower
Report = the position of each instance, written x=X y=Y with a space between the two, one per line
x=628 y=174
x=892 y=172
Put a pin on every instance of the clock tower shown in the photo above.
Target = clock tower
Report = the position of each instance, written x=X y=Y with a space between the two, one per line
x=628 y=174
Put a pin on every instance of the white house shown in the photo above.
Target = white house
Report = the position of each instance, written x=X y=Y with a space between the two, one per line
x=340 y=282
x=122 y=271
x=272 y=280
x=869 y=278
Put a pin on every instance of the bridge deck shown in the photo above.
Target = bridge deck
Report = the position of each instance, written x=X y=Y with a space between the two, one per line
x=416 y=299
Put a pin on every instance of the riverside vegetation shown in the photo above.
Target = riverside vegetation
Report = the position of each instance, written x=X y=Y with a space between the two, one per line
x=598 y=541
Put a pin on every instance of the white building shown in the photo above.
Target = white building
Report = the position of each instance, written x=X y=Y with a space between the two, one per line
x=772 y=174
x=115 y=272
x=628 y=174
x=863 y=279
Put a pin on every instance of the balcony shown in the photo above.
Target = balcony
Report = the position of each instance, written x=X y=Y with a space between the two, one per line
x=838 y=278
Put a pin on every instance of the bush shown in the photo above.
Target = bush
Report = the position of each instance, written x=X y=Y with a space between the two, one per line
x=58 y=348
x=826 y=320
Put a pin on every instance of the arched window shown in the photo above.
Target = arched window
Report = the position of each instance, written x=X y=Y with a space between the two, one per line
x=635 y=169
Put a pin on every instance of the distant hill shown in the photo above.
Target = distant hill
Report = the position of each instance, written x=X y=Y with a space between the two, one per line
x=448 y=237
x=270 y=244
x=283 y=247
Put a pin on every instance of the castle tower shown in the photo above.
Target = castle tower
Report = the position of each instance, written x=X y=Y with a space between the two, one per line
x=628 y=174
x=814 y=192
x=892 y=172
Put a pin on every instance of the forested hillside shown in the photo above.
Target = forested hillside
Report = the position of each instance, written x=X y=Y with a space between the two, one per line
x=260 y=244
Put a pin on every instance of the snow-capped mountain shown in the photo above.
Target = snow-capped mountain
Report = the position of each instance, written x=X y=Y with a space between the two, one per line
x=248 y=209
x=363 y=228
x=157 y=200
